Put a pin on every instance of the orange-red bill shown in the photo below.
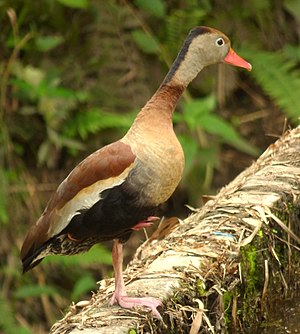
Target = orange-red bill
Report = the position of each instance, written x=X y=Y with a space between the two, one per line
x=234 y=59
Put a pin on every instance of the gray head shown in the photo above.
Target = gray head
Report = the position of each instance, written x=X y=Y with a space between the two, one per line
x=203 y=46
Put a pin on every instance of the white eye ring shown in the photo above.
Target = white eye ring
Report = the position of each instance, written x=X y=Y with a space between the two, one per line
x=220 y=42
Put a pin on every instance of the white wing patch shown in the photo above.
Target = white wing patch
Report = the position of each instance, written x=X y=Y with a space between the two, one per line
x=84 y=199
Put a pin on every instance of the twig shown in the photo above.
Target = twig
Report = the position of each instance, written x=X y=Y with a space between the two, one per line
x=45 y=299
x=234 y=313
x=265 y=288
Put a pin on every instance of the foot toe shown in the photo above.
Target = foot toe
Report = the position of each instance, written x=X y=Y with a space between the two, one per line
x=131 y=302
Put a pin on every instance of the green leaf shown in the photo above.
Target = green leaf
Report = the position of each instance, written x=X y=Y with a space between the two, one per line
x=75 y=3
x=83 y=285
x=194 y=109
x=3 y=208
x=43 y=152
x=190 y=149
x=50 y=89
x=95 y=120
x=132 y=331
x=279 y=78
x=216 y=125
x=3 y=203
x=7 y=177
x=8 y=323
x=199 y=113
x=33 y=290
x=62 y=141
x=33 y=75
x=292 y=52
x=178 y=21
x=24 y=90
x=154 y=7
x=46 y=43
x=293 y=6
x=147 y=43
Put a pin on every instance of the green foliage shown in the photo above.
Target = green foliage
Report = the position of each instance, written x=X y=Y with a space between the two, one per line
x=250 y=267
x=293 y=6
x=8 y=324
x=153 y=7
x=94 y=120
x=201 y=288
x=47 y=43
x=277 y=74
x=147 y=43
x=3 y=201
x=201 y=120
x=44 y=96
x=83 y=285
x=201 y=113
x=75 y=3
x=34 y=290
x=292 y=52
x=227 y=300
x=132 y=331
x=181 y=20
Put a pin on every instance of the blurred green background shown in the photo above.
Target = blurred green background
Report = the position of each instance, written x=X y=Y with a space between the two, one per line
x=74 y=73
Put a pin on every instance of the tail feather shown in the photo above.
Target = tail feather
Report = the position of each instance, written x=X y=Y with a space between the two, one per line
x=33 y=257
x=28 y=265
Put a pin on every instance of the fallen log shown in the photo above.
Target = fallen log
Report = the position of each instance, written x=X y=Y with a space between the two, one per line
x=220 y=269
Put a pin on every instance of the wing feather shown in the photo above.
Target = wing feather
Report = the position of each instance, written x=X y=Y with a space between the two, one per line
x=101 y=170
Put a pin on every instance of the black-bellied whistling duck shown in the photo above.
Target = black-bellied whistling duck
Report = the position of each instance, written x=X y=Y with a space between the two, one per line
x=117 y=189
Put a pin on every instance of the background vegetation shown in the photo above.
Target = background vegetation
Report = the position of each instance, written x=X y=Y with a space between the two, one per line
x=73 y=75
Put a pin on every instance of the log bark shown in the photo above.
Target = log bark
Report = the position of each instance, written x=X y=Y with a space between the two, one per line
x=217 y=270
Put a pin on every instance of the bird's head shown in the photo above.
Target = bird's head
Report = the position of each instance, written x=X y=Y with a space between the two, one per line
x=212 y=46
x=203 y=46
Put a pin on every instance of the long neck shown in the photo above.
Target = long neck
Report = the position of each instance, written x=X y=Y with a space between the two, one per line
x=186 y=65
x=159 y=109
x=155 y=118
x=183 y=71
x=165 y=99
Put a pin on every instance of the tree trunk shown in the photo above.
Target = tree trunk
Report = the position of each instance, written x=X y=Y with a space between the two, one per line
x=221 y=268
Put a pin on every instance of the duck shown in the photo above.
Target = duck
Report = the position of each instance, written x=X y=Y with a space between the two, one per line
x=118 y=188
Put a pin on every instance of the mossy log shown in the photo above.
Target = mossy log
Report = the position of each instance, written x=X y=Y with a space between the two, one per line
x=219 y=270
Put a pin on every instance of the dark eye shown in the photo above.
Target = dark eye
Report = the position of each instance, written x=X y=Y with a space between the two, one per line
x=220 y=41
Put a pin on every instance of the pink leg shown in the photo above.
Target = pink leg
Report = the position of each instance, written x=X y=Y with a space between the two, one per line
x=145 y=223
x=120 y=295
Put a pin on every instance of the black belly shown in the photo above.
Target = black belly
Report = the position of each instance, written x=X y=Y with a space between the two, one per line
x=113 y=216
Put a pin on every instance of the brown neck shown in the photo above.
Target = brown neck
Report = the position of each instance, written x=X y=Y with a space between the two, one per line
x=162 y=104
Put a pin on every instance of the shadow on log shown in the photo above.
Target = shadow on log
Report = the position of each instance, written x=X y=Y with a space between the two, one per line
x=221 y=269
